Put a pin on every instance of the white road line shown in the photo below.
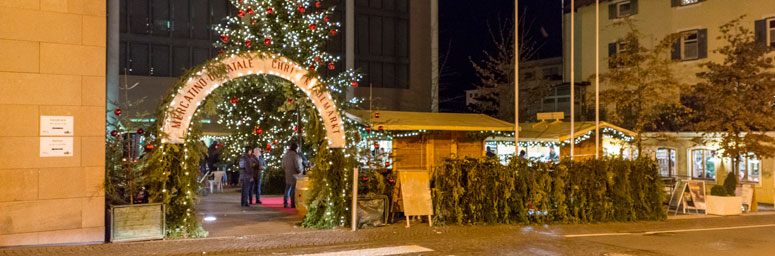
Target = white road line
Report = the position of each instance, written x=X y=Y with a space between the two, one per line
x=669 y=231
x=377 y=251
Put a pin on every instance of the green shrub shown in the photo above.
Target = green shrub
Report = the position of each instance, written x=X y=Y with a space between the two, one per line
x=730 y=183
x=718 y=190
x=480 y=190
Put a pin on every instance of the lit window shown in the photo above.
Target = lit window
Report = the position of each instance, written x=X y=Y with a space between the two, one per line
x=749 y=168
x=771 y=32
x=688 y=2
x=704 y=164
x=689 y=45
x=623 y=9
x=666 y=160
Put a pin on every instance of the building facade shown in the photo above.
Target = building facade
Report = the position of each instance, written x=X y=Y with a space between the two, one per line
x=696 y=24
x=389 y=41
x=52 y=68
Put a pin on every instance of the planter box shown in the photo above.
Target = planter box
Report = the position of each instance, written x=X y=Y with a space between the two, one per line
x=724 y=205
x=137 y=222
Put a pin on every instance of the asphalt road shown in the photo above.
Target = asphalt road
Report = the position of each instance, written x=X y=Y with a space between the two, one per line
x=745 y=235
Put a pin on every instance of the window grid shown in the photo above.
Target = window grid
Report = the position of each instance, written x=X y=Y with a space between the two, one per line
x=771 y=32
x=689 y=45
x=703 y=164
x=623 y=9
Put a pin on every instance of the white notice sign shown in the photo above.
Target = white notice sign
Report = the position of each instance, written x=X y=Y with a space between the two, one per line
x=56 y=146
x=56 y=126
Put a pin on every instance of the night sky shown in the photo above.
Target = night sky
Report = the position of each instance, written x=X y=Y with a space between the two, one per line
x=463 y=32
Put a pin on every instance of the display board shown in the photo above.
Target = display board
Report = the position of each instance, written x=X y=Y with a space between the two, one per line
x=746 y=191
x=697 y=191
x=416 y=192
x=675 y=198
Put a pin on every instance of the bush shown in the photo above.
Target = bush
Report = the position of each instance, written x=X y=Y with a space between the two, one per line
x=480 y=190
x=718 y=190
x=730 y=183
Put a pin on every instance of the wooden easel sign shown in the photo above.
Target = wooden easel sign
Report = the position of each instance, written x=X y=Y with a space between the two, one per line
x=416 y=194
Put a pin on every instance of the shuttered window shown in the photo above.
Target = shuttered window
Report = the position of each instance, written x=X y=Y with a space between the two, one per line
x=691 y=45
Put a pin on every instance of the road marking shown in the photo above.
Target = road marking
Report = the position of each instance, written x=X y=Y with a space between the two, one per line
x=669 y=231
x=377 y=251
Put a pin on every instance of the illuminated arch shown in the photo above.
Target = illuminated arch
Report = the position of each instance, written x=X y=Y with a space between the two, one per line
x=187 y=99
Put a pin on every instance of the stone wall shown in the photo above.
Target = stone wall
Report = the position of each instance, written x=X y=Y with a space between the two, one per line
x=52 y=63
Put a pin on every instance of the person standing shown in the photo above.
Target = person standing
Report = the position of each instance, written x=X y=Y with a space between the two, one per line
x=292 y=166
x=258 y=174
x=246 y=164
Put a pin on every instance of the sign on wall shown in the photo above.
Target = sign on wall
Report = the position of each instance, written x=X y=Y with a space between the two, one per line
x=56 y=146
x=56 y=125
x=190 y=96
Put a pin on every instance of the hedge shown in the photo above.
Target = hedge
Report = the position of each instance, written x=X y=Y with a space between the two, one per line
x=481 y=190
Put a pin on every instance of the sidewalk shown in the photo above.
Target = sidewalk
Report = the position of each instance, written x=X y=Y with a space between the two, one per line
x=231 y=219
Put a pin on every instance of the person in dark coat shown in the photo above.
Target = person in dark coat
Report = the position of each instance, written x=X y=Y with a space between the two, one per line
x=246 y=164
x=258 y=175
x=292 y=164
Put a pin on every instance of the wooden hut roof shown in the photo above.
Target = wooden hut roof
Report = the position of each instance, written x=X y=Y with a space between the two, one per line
x=413 y=121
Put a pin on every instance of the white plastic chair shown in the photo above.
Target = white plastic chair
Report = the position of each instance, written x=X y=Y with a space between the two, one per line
x=217 y=181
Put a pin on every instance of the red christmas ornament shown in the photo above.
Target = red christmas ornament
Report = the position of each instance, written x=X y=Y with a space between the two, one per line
x=275 y=142
x=376 y=145
x=255 y=130
x=268 y=41
x=234 y=100
x=380 y=128
x=331 y=65
x=290 y=101
x=269 y=10
x=311 y=67
x=268 y=147
x=333 y=32
x=391 y=181
x=250 y=11
x=114 y=133
x=326 y=19
x=140 y=131
x=149 y=146
x=295 y=128
x=253 y=22
x=117 y=112
x=317 y=58
x=248 y=43
x=368 y=129
x=221 y=53
x=355 y=84
x=224 y=38
x=241 y=13
x=301 y=9
x=376 y=115
x=387 y=164
x=312 y=26
x=365 y=179
x=317 y=4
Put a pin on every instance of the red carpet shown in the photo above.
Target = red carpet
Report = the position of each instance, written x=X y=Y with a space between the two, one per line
x=277 y=204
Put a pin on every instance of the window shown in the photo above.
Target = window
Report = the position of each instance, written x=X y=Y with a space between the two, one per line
x=749 y=168
x=623 y=9
x=704 y=163
x=771 y=32
x=689 y=45
x=688 y=2
x=666 y=160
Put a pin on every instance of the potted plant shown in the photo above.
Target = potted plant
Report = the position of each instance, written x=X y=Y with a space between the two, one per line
x=722 y=199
